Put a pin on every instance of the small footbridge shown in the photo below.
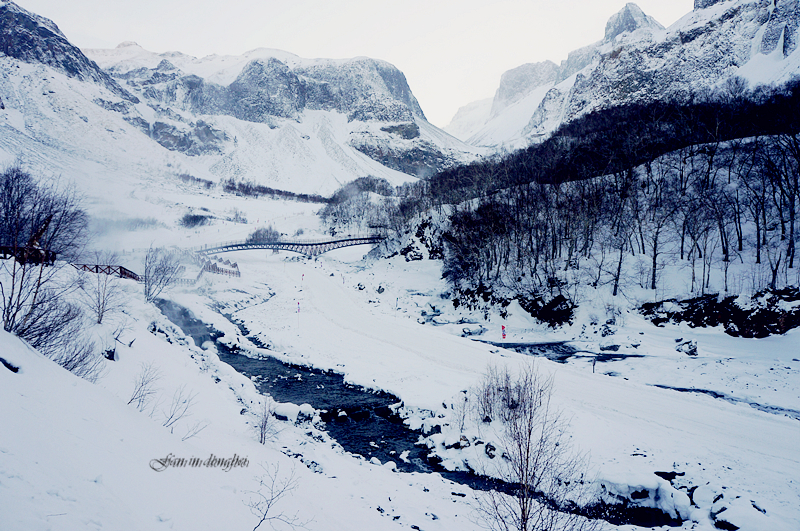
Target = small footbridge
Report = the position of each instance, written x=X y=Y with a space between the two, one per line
x=308 y=248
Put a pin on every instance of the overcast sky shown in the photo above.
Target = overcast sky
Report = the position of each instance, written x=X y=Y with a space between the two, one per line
x=451 y=51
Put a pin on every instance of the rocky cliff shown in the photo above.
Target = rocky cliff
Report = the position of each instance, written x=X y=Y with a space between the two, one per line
x=33 y=39
x=640 y=61
x=270 y=87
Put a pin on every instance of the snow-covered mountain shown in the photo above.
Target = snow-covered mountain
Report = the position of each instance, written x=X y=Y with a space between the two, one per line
x=639 y=61
x=267 y=116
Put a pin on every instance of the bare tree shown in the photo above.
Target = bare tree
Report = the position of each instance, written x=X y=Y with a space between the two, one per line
x=546 y=475
x=264 y=235
x=273 y=488
x=38 y=222
x=266 y=422
x=102 y=294
x=182 y=402
x=161 y=271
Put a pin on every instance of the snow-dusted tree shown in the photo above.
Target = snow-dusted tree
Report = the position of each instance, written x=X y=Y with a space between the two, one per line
x=102 y=294
x=546 y=475
x=161 y=271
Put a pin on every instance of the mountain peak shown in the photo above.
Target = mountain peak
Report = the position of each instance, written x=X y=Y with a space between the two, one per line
x=628 y=19
x=518 y=82
x=702 y=4
x=30 y=38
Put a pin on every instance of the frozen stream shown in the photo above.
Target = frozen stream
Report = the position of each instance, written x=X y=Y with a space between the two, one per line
x=362 y=421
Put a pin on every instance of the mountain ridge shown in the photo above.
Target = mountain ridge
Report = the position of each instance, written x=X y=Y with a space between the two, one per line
x=640 y=61
x=268 y=117
x=35 y=39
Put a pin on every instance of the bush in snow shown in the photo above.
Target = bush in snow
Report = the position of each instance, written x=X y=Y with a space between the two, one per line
x=536 y=455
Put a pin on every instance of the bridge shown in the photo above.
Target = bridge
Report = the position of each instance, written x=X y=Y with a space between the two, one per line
x=113 y=270
x=308 y=248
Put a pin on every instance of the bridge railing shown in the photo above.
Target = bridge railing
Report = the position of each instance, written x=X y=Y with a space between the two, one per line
x=232 y=243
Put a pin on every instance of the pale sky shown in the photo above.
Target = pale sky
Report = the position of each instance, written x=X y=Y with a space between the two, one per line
x=451 y=51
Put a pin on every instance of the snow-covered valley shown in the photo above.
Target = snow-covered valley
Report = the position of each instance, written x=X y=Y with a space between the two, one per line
x=674 y=426
x=79 y=455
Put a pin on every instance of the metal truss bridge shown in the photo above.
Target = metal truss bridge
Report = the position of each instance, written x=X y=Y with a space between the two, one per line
x=308 y=248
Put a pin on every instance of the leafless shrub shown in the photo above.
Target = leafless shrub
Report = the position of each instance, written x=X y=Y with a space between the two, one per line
x=161 y=271
x=182 y=402
x=56 y=330
x=461 y=408
x=102 y=294
x=194 y=429
x=266 y=422
x=486 y=394
x=273 y=488
x=81 y=358
x=237 y=216
x=144 y=386
x=537 y=458
x=52 y=324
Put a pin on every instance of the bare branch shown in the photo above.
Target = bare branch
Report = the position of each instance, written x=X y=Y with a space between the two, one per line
x=182 y=402
x=546 y=475
x=272 y=488
x=267 y=425
x=143 y=387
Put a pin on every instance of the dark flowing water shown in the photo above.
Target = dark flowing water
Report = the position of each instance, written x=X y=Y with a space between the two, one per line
x=560 y=351
x=364 y=422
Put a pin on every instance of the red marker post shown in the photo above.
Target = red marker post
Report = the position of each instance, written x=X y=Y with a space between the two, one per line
x=504 y=331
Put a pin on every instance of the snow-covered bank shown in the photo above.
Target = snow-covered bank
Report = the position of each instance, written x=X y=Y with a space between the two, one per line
x=75 y=455
x=60 y=433
x=631 y=429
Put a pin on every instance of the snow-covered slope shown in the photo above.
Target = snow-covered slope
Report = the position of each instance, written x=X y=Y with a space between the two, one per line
x=76 y=455
x=306 y=126
x=370 y=99
x=34 y=39
x=469 y=118
x=640 y=61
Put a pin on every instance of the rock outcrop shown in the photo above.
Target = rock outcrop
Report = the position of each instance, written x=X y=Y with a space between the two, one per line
x=34 y=39
x=639 y=61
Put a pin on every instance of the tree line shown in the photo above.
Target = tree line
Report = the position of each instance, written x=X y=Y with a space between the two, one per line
x=705 y=182
x=622 y=137
x=706 y=206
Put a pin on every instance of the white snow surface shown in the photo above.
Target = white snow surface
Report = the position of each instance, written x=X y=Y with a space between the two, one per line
x=508 y=127
x=469 y=119
x=52 y=125
x=73 y=454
